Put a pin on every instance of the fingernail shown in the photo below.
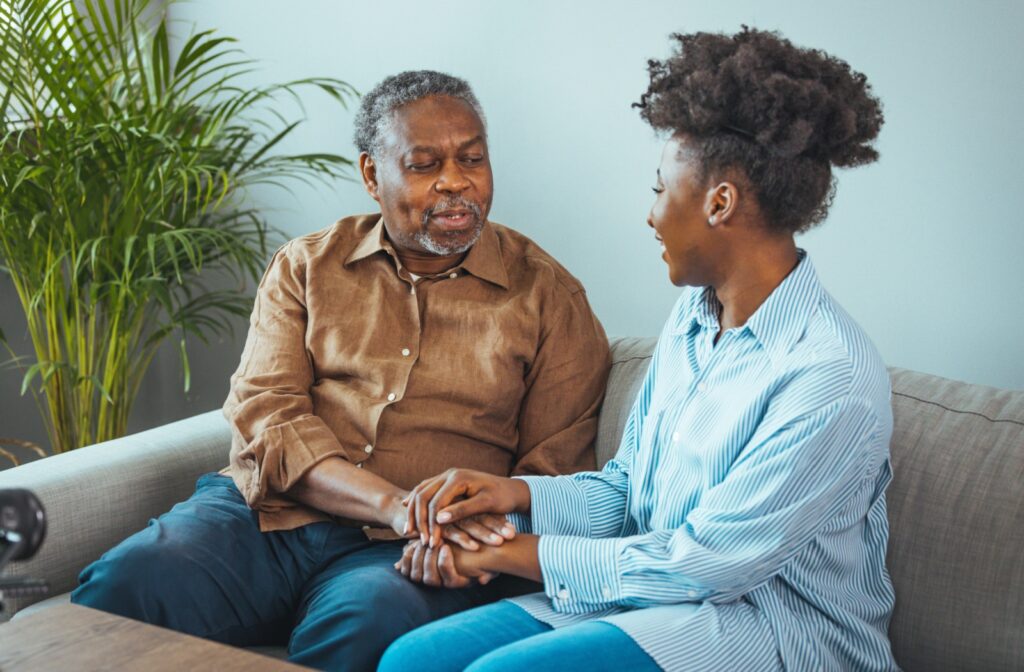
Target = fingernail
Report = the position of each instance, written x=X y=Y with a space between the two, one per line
x=423 y=538
x=405 y=530
x=508 y=529
x=444 y=517
x=495 y=538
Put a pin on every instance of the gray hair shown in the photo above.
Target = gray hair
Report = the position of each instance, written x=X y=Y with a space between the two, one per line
x=381 y=102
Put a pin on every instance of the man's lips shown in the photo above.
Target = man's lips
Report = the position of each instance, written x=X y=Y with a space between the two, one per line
x=453 y=220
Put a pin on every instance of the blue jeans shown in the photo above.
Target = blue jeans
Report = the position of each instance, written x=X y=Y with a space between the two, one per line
x=503 y=638
x=205 y=569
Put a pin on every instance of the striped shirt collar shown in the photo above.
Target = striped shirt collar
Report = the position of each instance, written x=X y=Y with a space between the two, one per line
x=778 y=323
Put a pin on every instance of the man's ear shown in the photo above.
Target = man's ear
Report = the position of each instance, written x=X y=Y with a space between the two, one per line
x=368 y=171
x=721 y=203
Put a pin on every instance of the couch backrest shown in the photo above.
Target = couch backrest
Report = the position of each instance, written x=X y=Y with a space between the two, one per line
x=956 y=509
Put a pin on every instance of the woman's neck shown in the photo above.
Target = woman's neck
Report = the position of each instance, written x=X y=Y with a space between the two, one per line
x=753 y=275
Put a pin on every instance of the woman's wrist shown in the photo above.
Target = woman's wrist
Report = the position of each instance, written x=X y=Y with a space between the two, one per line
x=517 y=556
x=520 y=495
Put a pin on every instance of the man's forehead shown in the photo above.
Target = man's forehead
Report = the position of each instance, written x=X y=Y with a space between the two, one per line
x=434 y=122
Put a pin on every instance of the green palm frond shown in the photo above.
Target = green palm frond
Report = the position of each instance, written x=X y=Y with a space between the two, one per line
x=121 y=169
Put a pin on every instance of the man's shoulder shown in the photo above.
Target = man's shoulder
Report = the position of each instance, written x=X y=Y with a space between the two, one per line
x=528 y=261
x=338 y=239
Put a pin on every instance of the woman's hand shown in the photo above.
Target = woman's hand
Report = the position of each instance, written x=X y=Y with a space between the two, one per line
x=490 y=529
x=443 y=565
x=432 y=503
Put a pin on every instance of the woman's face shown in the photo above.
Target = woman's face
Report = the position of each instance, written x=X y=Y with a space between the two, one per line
x=680 y=214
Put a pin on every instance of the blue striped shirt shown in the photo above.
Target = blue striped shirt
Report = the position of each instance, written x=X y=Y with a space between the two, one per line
x=742 y=522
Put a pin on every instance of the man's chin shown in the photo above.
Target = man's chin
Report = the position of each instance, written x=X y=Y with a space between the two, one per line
x=445 y=243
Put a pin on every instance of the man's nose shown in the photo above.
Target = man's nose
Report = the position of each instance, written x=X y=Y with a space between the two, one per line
x=451 y=179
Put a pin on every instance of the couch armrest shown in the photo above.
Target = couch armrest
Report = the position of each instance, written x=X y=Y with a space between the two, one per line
x=98 y=495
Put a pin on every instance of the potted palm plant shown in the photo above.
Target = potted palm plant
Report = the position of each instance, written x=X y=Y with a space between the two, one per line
x=122 y=170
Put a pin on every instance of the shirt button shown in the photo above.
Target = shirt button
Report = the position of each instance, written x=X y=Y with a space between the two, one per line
x=607 y=592
x=368 y=448
x=453 y=275
x=563 y=594
x=392 y=396
x=406 y=352
x=675 y=437
x=702 y=386
x=692 y=594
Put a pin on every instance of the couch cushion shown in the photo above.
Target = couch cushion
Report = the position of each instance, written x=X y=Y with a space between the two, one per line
x=956 y=507
x=630 y=359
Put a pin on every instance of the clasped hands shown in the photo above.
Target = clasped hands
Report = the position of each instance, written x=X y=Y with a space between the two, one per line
x=457 y=524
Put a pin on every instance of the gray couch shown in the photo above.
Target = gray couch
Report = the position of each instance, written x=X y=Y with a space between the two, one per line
x=956 y=505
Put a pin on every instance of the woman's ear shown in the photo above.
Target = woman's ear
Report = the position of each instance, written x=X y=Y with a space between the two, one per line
x=720 y=203
x=368 y=171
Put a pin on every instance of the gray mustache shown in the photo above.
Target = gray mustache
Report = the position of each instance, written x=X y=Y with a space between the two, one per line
x=452 y=204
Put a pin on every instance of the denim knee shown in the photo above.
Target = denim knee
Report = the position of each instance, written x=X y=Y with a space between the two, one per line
x=128 y=580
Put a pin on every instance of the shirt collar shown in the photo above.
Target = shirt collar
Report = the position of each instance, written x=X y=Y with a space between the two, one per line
x=782 y=319
x=778 y=323
x=373 y=242
x=484 y=259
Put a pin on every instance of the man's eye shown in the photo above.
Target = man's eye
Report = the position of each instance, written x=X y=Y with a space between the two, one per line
x=472 y=160
x=419 y=167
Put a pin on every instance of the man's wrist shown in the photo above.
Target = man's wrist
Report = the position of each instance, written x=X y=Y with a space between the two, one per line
x=391 y=508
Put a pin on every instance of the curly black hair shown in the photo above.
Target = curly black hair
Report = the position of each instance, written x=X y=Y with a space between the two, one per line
x=781 y=114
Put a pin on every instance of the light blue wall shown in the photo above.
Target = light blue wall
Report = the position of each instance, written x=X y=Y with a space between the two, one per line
x=923 y=248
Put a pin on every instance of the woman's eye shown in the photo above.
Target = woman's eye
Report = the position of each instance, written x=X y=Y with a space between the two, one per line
x=657 y=190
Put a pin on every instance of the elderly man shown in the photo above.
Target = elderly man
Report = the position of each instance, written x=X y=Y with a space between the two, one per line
x=382 y=350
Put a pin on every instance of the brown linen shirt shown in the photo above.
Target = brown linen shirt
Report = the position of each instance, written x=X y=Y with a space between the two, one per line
x=497 y=364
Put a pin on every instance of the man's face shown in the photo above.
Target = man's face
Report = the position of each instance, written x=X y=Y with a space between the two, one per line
x=433 y=176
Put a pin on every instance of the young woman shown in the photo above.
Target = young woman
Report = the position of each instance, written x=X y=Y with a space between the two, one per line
x=742 y=524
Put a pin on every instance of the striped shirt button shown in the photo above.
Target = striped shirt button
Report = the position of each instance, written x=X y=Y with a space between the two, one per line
x=702 y=386
x=563 y=593
x=675 y=437
x=392 y=396
x=607 y=592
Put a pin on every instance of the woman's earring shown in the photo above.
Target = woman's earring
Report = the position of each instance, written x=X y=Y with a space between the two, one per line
x=711 y=221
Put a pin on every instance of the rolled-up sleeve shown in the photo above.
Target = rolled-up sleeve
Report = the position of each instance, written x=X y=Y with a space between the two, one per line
x=276 y=437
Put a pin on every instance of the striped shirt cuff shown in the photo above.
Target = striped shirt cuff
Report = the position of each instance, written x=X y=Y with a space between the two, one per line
x=579 y=574
x=521 y=521
x=557 y=506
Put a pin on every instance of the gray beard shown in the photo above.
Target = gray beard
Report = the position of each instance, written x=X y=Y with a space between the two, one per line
x=441 y=247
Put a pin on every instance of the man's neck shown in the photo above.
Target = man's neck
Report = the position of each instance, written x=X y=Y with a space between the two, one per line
x=425 y=263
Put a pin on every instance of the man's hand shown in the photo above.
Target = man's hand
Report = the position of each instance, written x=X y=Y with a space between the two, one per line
x=432 y=503
x=443 y=565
